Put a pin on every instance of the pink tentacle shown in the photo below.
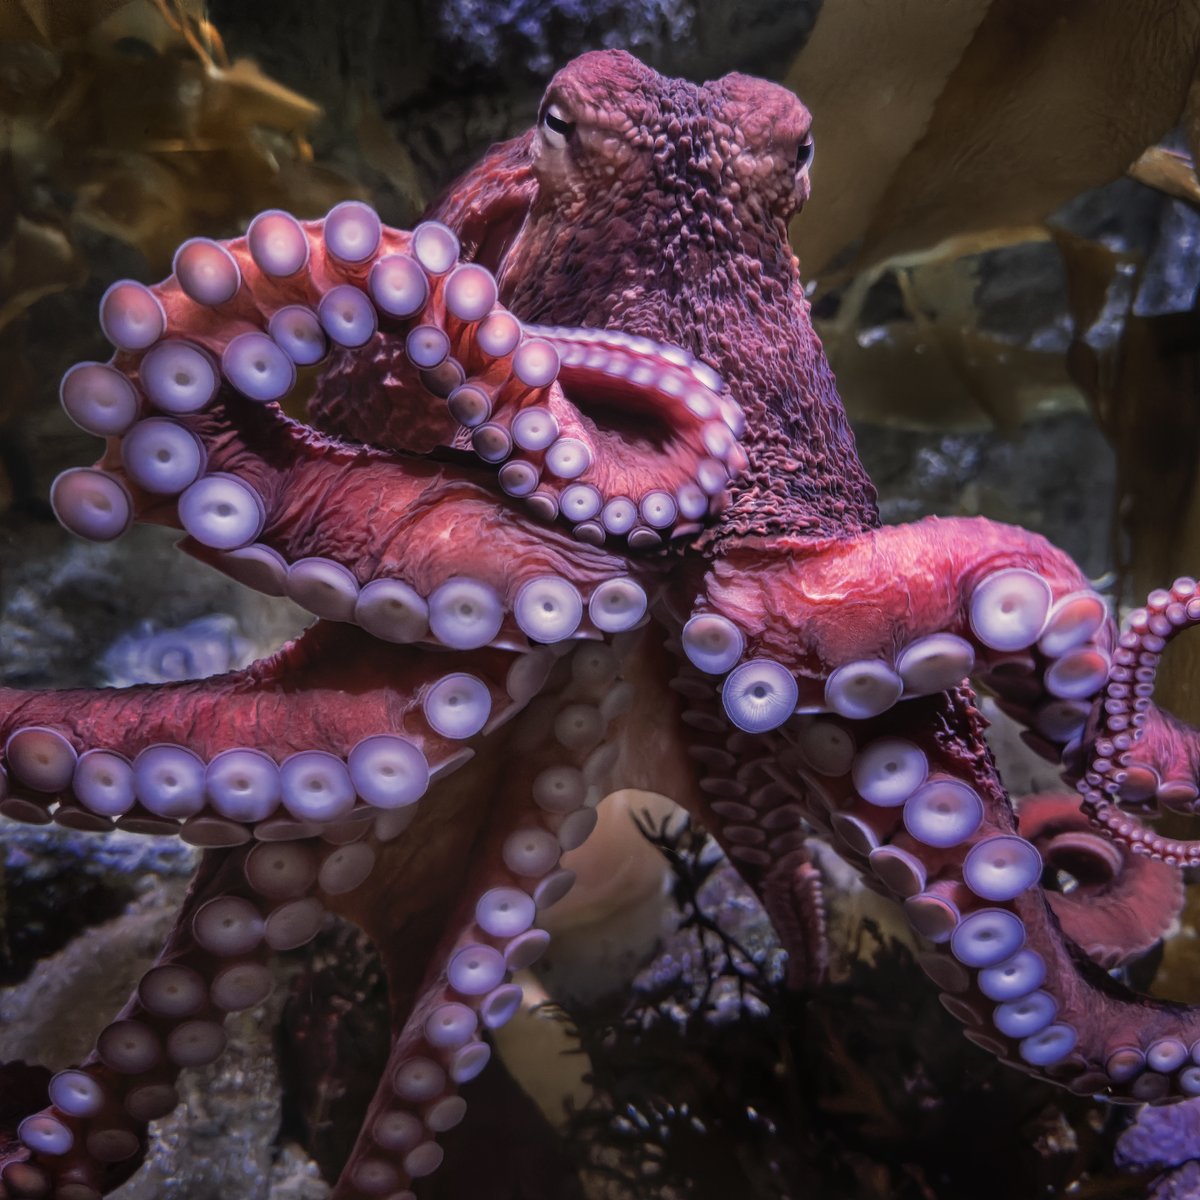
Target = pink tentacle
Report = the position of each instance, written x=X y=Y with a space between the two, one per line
x=981 y=600
x=1121 y=903
x=907 y=787
x=489 y=869
x=85 y=1131
x=423 y=357
x=1138 y=753
x=274 y=751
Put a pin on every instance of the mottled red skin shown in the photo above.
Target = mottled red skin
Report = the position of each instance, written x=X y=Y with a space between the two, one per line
x=663 y=214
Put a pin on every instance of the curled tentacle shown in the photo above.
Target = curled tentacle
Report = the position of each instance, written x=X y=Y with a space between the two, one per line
x=1120 y=903
x=1137 y=753
x=640 y=447
x=275 y=498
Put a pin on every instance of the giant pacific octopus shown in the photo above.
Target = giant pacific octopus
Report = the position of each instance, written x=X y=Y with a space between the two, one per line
x=577 y=508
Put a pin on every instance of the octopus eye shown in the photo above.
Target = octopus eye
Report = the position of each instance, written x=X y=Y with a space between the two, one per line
x=804 y=154
x=555 y=127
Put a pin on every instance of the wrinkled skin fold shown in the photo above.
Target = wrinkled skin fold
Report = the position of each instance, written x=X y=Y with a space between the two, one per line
x=578 y=509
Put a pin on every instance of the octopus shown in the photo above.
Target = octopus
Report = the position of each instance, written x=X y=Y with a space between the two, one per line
x=577 y=508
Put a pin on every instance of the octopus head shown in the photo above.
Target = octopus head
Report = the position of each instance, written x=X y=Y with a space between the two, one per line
x=659 y=208
x=650 y=188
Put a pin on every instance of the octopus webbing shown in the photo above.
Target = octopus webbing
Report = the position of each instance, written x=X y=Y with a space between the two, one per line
x=577 y=508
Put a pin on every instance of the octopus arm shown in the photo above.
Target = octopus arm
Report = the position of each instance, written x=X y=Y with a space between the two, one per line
x=455 y=905
x=610 y=436
x=831 y=729
x=823 y=631
x=385 y=540
x=981 y=600
x=1120 y=903
x=1138 y=754
x=92 y=1133
x=396 y=809
x=488 y=205
x=914 y=801
x=298 y=738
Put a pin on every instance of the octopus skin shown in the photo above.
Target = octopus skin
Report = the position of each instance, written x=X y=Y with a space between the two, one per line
x=577 y=508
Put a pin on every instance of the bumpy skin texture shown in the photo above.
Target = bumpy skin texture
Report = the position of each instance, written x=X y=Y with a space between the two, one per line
x=612 y=532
